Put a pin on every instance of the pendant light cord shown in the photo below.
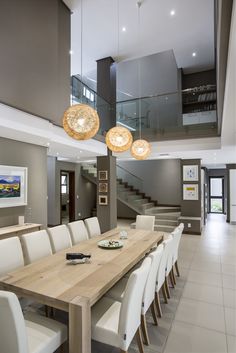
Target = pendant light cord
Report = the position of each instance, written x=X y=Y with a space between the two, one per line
x=139 y=72
x=81 y=48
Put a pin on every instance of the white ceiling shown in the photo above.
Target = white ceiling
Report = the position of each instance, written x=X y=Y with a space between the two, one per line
x=190 y=30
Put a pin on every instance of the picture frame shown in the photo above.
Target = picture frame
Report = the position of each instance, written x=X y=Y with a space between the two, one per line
x=103 y=187
x=13 y=186
x=102 y=175
x=190 y=173
x=190 y=192
x=103 y=200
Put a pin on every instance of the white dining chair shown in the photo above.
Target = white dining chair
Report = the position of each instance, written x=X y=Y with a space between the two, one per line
x=60 y=238
x=145 y=222
x=161 y=275
x=11 y=255
x=176 y=252
x=116 y=323
x=78 y=231
x=34 y=334
x=148 y=301
x=93 y=226
x=36 y=245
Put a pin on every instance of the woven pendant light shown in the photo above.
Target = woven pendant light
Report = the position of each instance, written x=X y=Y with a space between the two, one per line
x=119 y=139
x=81 y=122
x=140 y=149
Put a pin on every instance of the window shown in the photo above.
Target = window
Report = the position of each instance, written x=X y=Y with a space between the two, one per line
x=64 y=183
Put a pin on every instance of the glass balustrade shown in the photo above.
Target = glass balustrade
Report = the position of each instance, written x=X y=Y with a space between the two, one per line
x=161 y=117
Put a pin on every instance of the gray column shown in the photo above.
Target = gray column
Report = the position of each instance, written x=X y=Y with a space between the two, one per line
x=106 y=192
x=106 y=90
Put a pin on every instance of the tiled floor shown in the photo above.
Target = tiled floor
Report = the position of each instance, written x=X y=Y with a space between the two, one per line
x=201 y=314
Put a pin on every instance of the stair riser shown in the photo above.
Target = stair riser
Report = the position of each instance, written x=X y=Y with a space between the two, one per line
x=166 y=222
x=164 y=229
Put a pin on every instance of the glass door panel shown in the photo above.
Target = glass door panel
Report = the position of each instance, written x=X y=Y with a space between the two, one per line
x=216 y=195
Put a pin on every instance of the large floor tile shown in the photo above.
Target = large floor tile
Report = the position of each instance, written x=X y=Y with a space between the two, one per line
x=231 y=340
x=228 y=259
x=208 y=266
x=201 y=256
x=202 y=314
x=228 y=269
x=202 y=292
x=186 y=338
x=229 y=298
x=229 y=281
x=202 y=277
x=230 y=319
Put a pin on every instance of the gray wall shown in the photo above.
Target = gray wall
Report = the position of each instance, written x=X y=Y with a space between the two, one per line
x=85 y=191
x=20 y=154
x=35 y=60
x=161 y=178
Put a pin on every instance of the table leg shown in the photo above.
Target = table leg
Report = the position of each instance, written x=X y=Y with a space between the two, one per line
x=79 y=326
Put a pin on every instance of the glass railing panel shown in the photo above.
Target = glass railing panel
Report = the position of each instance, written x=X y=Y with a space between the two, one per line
x=161 y=118
x=186 y=114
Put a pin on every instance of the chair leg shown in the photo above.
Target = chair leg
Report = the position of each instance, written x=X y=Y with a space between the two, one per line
x=177 y=268
x=154 y=313
x=171 y=279
x=144 y=330
x=164 y=293
x=158 y=304
x=139 y=341
x=121 y=351
x=173 y=275
x=46 y=308
x=63 y=348
x=167 y=288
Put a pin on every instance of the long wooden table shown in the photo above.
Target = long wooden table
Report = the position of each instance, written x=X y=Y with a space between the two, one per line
x=75 y=288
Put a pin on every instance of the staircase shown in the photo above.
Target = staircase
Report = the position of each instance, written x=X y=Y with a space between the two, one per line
x=128 y=192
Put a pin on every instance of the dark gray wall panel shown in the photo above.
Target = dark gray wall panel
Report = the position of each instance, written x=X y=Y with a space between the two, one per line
x=161 y=178
x=34 y=60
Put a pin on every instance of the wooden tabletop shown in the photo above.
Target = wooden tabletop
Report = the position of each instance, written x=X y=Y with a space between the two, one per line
x=56 y=282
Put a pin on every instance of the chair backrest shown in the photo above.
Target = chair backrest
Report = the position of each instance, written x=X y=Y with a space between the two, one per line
x=11 y=255
x=178 y=235
x=92 y=226
x=13 y=337
x=59 y=238
x=161 y=273
x=149 y=290
x=171 y=251
x=36 y=245
x=78 y=231
x=130 y=312
x=145 y=222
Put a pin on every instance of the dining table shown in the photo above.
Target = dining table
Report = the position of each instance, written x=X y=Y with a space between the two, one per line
x=58 y=283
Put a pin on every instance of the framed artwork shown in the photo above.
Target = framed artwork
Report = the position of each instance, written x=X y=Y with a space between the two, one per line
x=103 y=200
x=102 y=175
x=103 y=187
x=13 y=186
x=190 y=192
x=190 y=173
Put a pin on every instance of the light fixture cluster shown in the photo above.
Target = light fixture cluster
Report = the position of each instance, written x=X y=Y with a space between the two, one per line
x=119 y=139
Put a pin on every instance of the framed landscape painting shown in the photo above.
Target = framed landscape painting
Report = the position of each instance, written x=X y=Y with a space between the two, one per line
x=13 y=186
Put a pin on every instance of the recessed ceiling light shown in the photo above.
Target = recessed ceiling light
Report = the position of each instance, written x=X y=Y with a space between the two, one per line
x=123 y=29
x=194 y=54
x=172 y=12
x=71 y=52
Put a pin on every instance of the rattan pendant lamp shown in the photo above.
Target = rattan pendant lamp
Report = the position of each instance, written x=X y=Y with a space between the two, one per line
x=140 y=148
x=80 y=121
x=118 y=139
